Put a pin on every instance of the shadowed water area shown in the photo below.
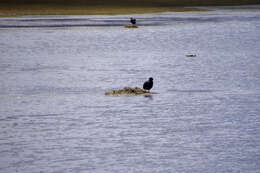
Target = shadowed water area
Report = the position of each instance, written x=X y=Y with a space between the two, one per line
x=205 y=117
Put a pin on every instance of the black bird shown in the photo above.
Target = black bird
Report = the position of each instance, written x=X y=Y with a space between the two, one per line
x=133 y=20
x=148 y=84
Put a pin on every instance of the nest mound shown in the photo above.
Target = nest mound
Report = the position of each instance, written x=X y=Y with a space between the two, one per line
x=131 y=26
x=129 y=92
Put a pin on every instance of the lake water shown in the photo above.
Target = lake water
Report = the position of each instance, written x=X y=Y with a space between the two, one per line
x=54 y=71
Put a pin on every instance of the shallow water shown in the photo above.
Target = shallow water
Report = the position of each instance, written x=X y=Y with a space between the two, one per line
x=54 y=116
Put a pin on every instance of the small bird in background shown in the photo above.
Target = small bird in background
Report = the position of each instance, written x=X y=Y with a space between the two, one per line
x=133 y=21
x=148 y=84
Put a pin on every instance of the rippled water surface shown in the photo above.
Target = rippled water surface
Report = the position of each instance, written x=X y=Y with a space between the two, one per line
x=54 y=71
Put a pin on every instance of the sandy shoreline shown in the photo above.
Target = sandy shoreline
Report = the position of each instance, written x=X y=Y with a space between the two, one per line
x=77 y=10
x=108 y=7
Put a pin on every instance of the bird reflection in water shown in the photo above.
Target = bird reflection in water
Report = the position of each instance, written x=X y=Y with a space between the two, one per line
x=150 y=97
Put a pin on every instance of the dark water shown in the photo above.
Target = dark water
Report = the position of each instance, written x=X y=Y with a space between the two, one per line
x=54 y=71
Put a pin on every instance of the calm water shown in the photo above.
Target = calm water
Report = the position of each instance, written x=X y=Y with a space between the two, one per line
x=54 y=71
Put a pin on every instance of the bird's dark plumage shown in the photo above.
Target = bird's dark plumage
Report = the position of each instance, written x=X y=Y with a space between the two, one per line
x=148 y=84
x=133 y=21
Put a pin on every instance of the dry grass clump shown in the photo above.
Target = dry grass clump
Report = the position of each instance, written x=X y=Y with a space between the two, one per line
x=131 y=26
x=128 y=92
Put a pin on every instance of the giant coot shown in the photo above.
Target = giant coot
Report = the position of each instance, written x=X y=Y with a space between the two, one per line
x=133 y=21
x=148 y=84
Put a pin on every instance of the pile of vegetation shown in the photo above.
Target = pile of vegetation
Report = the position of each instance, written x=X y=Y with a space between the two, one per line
x=128 y=92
